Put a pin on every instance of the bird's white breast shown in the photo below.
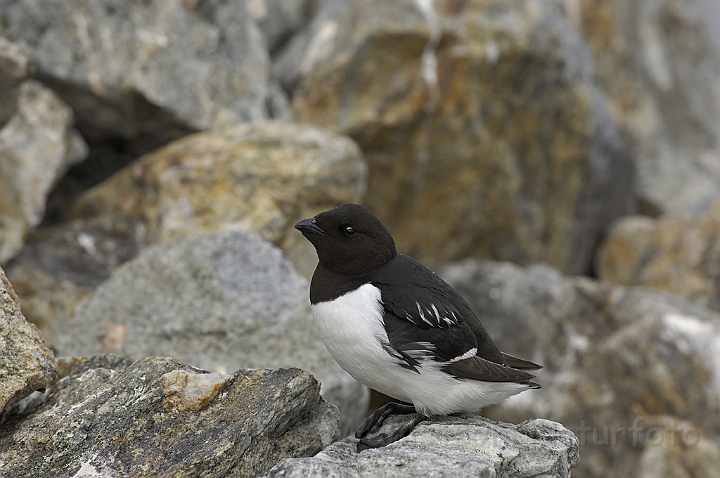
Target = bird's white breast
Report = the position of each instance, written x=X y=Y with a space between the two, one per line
x=353 y=331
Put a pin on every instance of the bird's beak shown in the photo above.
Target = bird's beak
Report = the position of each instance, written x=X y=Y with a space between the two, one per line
x=309 y=226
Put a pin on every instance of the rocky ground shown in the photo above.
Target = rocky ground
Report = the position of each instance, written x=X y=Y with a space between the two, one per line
x=558 y=162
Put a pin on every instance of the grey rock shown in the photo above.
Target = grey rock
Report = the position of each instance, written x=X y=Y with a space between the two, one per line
x=451 y=446
x=15 y=67
x=297 y=56
x=147 y=72
x=279 y=19
x=108 y=416
x=625 y=368
x=60 y=267
x=37 y=146
x=656 y=61
x=218 y=301
x=26 y=364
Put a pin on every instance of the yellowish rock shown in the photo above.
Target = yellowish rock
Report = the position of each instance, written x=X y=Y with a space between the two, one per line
x=261 y=177
x=484 y=133
x=671 y=253
x=655 y=61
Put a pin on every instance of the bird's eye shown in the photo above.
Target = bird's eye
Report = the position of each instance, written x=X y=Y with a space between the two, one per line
x=349 y=231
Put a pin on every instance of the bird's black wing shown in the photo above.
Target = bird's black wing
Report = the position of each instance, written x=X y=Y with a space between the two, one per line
x=415 y=293
x=426 y=319
x=425 y=306
x=454 y=349
x=520 y=364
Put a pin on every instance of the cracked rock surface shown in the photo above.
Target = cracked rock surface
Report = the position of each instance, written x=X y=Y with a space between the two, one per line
x=109 y=416
x=449 y=446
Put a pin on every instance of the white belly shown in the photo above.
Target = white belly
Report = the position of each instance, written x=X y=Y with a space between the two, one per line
x=352 y=329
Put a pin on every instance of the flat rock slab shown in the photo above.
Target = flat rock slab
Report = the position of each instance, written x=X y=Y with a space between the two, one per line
x=109 y=416
x=450 y=446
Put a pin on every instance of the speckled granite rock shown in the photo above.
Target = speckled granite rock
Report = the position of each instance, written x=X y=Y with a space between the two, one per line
x=453 y=446
x=109 y=416
x=26 y=364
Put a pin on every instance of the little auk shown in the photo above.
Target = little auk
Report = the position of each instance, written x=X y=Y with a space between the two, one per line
x=398 y=328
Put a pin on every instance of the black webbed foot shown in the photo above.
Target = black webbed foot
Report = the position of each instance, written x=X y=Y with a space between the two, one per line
x=384 y=439
x=375 y=421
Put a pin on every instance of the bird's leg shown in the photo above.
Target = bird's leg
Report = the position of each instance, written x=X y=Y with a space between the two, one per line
x=375 y=421
x=383 y=439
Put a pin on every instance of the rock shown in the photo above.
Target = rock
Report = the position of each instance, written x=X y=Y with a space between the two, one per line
x=60 y=267
x=37 y=146
x=621 y=364
x=480 y=118
x=450 y=446
x=26 y=364
x=279 y=19
x=143 y=74
x=671 y=253
x=262 y=177
x=15 y=67
x=298 y=55
x=677 y=449
x=112 y=417
x=220 y=301
x=657 y=64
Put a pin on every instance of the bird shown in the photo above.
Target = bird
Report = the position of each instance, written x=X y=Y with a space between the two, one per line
x=397 y=327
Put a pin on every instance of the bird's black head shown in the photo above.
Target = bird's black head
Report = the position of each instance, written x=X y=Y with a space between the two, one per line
x=349 y=240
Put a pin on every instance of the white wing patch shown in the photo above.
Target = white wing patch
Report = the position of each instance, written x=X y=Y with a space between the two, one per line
x=469 y=354
x=428 y=315
x=422 y=314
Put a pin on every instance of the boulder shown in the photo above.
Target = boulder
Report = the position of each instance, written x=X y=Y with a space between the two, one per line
x=61 y=266
x=15 y=67
x=220 y=301
x=279 y=20
x=671 y=253
x=37 y=146
x=262 y=177
x=109 y=416
x=481 y=118
x=656 y=61
x=149 y=72
x=625 y=368
x=26 y=364
x=265 y=177
x=450 y=446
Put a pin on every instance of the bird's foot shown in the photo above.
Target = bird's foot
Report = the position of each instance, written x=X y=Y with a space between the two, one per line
x=384 y=439
x=375 y=421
